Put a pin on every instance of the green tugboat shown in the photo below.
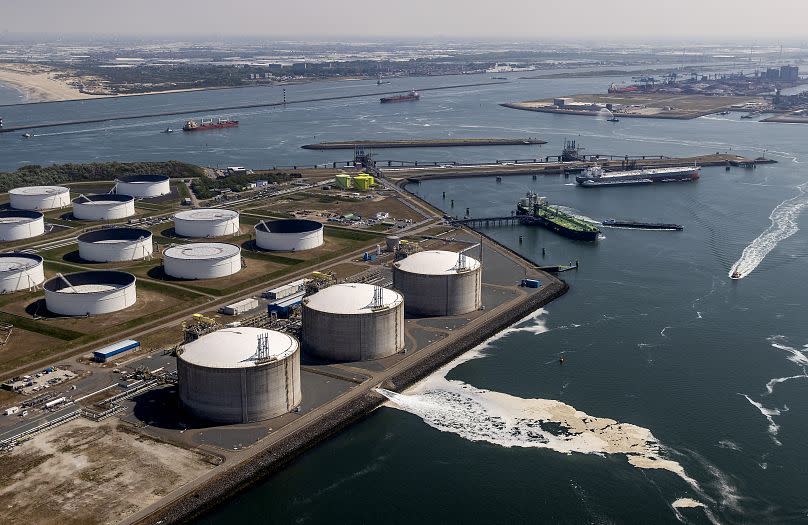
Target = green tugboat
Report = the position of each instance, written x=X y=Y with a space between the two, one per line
x=536 y=210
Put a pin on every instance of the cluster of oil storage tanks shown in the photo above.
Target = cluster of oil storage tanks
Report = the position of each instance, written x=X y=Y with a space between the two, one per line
x=239 y=375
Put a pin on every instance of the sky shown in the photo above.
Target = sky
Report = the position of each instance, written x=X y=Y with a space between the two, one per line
x=532 y=20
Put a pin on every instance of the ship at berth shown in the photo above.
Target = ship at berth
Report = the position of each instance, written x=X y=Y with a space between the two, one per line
x=533 y=209
x=597 y=176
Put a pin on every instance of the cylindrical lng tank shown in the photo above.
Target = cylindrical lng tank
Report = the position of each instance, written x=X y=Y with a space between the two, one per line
x=104 y=207
x=437 y=282
x=202 y=260
x=16 y=225
x=39 y=197
x=90 y=292
x=206 y=222
x=290 y=235
x=143 y=186
x=240 y=375
x=20 y=271
x=115 y=245
x=353 y=322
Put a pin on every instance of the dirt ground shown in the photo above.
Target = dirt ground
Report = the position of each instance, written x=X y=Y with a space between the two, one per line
x=24 y=346
x=331 y=201
x=88 y=473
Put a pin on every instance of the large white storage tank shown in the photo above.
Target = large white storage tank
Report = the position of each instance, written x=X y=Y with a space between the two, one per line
x=39 y=197
x=202 y=260
x=104 y=207
x=20 y=271
x=353 y=322
x=240 y=375
x=288 y=235
x=206 y=222
x=90 y=292
x=115 y=245
x=16 y=225
x=437 y=282
x=143 y=186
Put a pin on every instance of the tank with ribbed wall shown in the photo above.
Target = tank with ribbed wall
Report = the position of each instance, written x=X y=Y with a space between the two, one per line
x=438 y=282
x=16 y=225
x=20 y=271
x=103 y=207
x=93 y=292
x=115 y=245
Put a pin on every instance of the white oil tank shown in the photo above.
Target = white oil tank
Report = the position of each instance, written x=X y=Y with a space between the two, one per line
x=16 y=225
x=288 y=235
x=202 y=260
x=143 y=186
x=206 y=222
x=438 y=282
x=103 y=207
x=20 y=271
x=92 y=292
x=39 y=198
x=115 y=245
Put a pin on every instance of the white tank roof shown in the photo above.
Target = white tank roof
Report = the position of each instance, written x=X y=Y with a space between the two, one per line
x=436 y=262
x=18 y=263
x=202 y=250
x=206 y=214
x=39 y=190
x=236 y=347
x=351 y=298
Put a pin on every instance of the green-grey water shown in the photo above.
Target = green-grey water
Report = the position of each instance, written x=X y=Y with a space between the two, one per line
x=653 y=331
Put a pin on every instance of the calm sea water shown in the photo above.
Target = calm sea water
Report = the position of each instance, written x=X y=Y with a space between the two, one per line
x=653 y=331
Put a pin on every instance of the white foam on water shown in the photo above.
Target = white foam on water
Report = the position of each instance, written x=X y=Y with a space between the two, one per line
x=509 y=421
x=783 y=225
x=777 y=380
x=796 y=356
x=686 y=503
x=769 y=414
x=731 y=445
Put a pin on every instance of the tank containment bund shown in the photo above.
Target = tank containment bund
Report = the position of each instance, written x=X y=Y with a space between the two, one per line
x=16 y=225
x=292 y=235
x=104 y=207
x=206 y=222
x=240 y=375
x=115 y=245
x=20 y=271
x=353 y=322
x=143 y=186
x=437 y=282
x=90 y=293
x=202 y=260
x=36 y=198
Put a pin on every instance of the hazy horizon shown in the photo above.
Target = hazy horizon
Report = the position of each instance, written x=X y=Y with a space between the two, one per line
x=508 y=20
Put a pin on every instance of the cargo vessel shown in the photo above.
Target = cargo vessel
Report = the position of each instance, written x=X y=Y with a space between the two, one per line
x=209 y=123
x=642 y=225
x=536 y=210
x=597 y=176
x=408 y=97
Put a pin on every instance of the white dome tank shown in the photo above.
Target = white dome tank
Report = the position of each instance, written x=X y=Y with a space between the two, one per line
x=353 y=322
x=104 y=207
x=16 y=225
x=239 y=375
x=437 y=282
x=288 y=235
x=115 y=245
x=90 y=292
x=39 y=198
x=206 y=222
x=20 y=271
x=202 y=260
x=143 y=186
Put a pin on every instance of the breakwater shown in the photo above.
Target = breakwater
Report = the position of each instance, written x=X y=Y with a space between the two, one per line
x=424 y=143
x=190 y=111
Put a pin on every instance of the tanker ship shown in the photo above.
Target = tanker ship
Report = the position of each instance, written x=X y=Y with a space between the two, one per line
x=597 y=176
x=209 y=123
x=409 y=97
x=536 y=210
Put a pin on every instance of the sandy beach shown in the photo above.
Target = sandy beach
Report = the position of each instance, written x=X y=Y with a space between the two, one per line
x=38 y=84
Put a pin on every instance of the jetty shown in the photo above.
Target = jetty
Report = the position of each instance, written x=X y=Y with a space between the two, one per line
x=425 y=143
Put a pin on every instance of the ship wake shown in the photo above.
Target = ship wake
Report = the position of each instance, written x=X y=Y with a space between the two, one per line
x=783 y=225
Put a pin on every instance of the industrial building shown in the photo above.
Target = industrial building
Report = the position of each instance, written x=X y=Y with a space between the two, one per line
x=353 y=322
x=143 y=186
x=287 y=289
x=283 y=308
x=39 y=198
x=16 y=225
x=115 y=245
x=20 y=271
x=102 y=355
x=240 y=307
x=288 y=235
x=90 y=292
x=206 y=222
x=104 y=207
x=202 y=260
x=437 y=282
x=239 y=375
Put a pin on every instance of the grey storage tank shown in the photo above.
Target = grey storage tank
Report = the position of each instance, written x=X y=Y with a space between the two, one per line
x=353 y=322
x=437 y=282
x=239 y=375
